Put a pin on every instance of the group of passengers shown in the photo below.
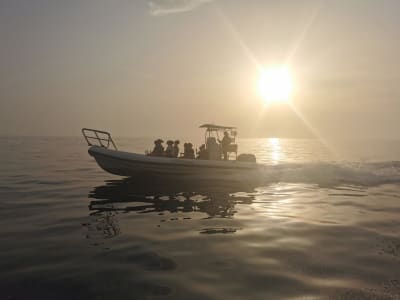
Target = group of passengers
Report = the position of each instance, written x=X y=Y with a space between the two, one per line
x=172 y=149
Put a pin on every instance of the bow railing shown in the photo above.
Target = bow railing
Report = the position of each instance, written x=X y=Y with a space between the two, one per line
x=96 y=137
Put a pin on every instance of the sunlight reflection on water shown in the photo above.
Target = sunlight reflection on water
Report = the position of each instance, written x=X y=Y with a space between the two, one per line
x=275 y=150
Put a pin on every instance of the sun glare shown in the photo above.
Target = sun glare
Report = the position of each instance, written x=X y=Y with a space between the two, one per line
x=275 y=84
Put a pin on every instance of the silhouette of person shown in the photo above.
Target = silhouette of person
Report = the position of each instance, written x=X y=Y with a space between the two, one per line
x=203 y=153
x=176 y=148
x=169 y=152
x=158 y=148
x=226 y=141
x=188 y=151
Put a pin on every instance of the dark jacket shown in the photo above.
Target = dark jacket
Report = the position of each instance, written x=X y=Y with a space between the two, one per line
x=226 y=141
x=158 y=150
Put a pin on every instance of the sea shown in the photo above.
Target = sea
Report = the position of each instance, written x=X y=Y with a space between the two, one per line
x=323 y=223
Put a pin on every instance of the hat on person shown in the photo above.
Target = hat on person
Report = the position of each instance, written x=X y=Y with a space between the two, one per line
x=158 y=141
x=170 y=142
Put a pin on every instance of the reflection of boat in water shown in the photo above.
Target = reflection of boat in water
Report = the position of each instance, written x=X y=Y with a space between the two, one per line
x=158 y=198
x=141 y=165
x=145 y=197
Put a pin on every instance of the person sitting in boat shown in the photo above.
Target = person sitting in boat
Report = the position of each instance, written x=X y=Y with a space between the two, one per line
x=203 y=153
x=226 y=141
x=188 y=151
x=158 y=148
x=176 y=149
x=169 y=152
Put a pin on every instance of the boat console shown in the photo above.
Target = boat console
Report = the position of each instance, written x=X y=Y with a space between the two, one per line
x=212 y=135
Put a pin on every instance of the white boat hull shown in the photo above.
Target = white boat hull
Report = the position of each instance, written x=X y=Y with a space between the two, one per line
x=143 y=166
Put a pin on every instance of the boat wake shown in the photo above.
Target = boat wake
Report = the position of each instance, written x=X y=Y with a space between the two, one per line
x=334 y=174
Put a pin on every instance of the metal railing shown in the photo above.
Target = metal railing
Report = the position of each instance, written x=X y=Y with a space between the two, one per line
x=101 y=138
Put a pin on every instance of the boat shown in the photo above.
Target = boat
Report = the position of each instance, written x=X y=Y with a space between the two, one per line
x=112 y=160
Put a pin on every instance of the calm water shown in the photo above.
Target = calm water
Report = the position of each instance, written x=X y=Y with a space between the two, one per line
x=324 y=225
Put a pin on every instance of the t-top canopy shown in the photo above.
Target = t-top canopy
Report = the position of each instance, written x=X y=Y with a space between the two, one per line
x=216 y=127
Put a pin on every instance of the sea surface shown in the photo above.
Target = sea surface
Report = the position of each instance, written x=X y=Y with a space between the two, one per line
x=324 y=224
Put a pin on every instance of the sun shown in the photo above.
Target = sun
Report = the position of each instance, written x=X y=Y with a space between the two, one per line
x=275 y=84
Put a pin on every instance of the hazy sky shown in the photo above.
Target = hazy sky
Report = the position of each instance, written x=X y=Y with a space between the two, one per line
x=148 y=68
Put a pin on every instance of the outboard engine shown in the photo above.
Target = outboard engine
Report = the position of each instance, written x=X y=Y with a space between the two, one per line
x=247 y=157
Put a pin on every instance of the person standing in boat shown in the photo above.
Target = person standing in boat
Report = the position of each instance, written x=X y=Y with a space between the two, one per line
x=158 y=148
x=226 y=141
x=176 y=149
x=169 y=152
